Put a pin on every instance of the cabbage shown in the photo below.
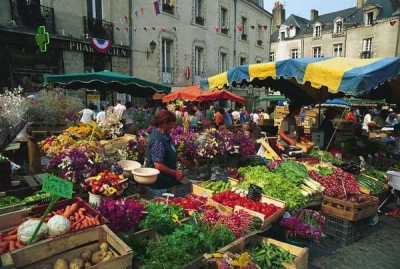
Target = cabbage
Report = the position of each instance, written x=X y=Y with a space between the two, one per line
x=26 y=230
x=58 y=225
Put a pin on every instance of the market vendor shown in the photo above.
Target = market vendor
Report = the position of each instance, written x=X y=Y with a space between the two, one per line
x=287 y=130
x=327 y=126
x=162 y=155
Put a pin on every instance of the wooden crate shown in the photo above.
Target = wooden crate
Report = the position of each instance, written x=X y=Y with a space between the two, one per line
x=306 y=147
x=349 y=211
x=45 y=253
x=266 y=222
x=198 y=190
x=118 y=143
x=300 y=262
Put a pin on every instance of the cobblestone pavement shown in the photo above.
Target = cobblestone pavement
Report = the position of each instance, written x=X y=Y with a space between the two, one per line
x=380 y=249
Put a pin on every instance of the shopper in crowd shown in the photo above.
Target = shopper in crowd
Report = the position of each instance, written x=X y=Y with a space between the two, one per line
x=178 y=113
x=199 y=114
x=193 y=120
x=87 y=114
x=219 y=117
x=391 y=120
x=303 y=115
x=186 y=116
x=367 y=121
x=209 y=116
x=327 y=126
x=243 y=115
x=119 y=108
x=351 y=116
x=287 y=131
x=161 y=154
x=127 y=118
x=227 y=118
x=379 y=120
x=260 y=118
x=236 y=116
x=255 y=117
x=101 y=116
x=265 y=114
x=396 y=143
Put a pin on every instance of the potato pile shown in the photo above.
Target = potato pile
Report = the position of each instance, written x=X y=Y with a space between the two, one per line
x=87 y=259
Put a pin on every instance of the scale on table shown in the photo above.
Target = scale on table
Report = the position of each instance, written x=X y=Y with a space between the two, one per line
x=292 y=151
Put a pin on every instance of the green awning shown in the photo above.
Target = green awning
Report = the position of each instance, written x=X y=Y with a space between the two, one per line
x=106 y=81
x=272 y=98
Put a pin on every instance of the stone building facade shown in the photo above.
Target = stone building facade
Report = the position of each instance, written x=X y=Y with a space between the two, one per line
x=194 y=49
x=371 y=29
x=70 y=25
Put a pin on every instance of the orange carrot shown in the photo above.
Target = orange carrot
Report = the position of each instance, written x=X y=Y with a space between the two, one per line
x=71 y=210
x=12 y=246
x=97 y=220
x=10 y=238
x=78 y=226
x=19 y=245
x=13 y=231
x=82 y=209
x=85 y=222
x=81 y=214
x=78 y=221
x=67 y=208
x=76 y=216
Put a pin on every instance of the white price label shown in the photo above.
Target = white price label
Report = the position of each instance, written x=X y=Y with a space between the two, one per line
x=44 y=161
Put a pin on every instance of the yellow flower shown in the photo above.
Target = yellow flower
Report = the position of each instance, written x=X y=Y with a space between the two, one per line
x=217 y=255
x=175 y=218
x=244 y=259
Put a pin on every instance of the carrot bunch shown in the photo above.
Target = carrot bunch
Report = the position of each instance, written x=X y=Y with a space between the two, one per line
x=78 y=217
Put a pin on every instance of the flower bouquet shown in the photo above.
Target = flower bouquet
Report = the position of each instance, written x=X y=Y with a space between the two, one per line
x=123 y=215
x=304 y=225
x=136 y=150
x=229 y=260
x=112 y=125
x=85 y=131
x=105 y=184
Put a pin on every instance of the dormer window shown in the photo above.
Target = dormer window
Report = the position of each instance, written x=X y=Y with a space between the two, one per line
x=317 y=31
x=338 y=28
x=369 y=18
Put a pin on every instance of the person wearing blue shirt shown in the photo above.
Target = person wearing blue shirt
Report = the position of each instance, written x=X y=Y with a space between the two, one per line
x=391 y=119
x=227 y=118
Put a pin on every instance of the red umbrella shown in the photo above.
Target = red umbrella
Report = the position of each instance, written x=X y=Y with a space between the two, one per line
x=217 y=95
x=189 y=94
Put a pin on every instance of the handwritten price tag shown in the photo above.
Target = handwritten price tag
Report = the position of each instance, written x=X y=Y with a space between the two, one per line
x=57 y=186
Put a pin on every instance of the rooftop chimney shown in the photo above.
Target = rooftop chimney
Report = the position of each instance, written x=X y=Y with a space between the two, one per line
x=314 y=14
x=279 y=16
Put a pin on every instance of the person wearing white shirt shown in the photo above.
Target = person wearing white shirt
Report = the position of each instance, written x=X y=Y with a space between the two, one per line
x=367 y=121
x=236 y=116
x=255 y=117
x=101 y=116
x=119 y=109
x=127 y=118
x=87 y=114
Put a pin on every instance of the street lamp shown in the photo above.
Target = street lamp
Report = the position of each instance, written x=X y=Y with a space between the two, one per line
x=153 y=46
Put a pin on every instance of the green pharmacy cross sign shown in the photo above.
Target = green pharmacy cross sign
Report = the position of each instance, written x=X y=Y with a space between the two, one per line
x=42 y=38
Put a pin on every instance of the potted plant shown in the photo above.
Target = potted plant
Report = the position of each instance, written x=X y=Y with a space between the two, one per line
x=303 y=227
x=199 y=20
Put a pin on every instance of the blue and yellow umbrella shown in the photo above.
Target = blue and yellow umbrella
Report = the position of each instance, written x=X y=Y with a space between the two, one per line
x=319 y=78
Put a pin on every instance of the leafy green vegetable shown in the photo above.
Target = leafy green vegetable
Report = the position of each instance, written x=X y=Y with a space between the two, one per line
x=375 y=174
x=273 y=184
x=325 y=171
x=161 y=217
x=11 y=200
x=270 y=256
x=326 y=156
x=295 y=172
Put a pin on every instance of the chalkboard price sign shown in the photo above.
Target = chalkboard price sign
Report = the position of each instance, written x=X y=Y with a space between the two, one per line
x=254 y=192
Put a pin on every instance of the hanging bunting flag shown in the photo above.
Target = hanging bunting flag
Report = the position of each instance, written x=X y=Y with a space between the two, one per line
x=127 y=29
x=252 y=27
x=154 y=28
x=117 y=28
x=163 y=28
x=216 y=28
x=265 y=27
x=157 y=7
x=392 y=23
x=145 y=28
x=174 y=28
x=126 y=18
x=142 y=11
x=291 y=26
x=323 y=25
x=356 y=24
x=135 y=28
x=240 y=28
x=100 y=45
x=137 y=14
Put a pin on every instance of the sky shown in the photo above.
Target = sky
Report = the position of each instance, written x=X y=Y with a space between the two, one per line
x=302 y=8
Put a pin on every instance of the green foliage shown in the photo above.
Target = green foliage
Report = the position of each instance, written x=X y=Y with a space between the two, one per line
x=142 y=119
x=293 y=171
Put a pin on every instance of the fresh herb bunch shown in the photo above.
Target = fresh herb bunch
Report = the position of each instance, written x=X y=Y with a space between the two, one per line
x=325 y=171
x=162 y=218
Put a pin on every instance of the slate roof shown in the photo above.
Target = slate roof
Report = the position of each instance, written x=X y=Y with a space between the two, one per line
x=388 y=8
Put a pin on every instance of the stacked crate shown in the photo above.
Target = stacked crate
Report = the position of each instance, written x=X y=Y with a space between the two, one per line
x=345 y=130
x=280 y=114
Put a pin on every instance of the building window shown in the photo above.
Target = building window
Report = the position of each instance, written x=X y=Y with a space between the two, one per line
x=244 y=28
x=199 y=17
x=242 y=61
x=167 y=61
x=337 y=50
x=198 y=62
x=95 y=9
x=367 y=48
x=369 y=18
x=316 y=52
x=259 y=35
x=295 y=53
x=168 y=6
x=338 y=27
x=224 y=21
x=317 y=32
x=224 y=62
x=258 y=61
x=272 y=57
